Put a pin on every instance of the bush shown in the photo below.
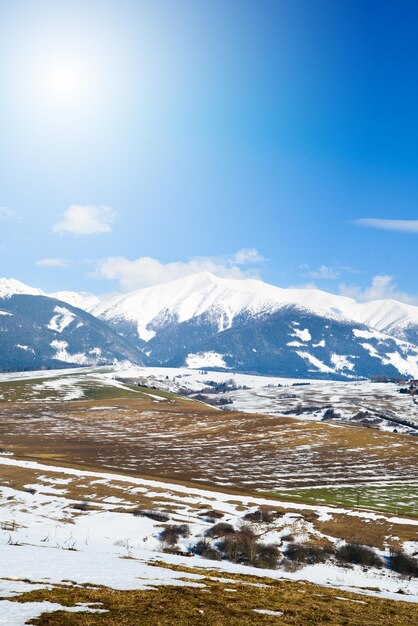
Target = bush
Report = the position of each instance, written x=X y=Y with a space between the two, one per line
x=81 y=506
x=157 y=516
x=239 y=547
x=203 y=548
x=403 y=563
x=211 y=514
x=222 y=529
x=171 y=534
x=309 y=554
x=358 y=554
x=243 y=547
x=261 y=515
x=266 y=556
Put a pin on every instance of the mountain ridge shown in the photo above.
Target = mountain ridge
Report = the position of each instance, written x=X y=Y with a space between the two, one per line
x=249 y=325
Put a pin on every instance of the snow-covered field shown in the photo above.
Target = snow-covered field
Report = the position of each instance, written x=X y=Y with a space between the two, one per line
x=307 y=399
x=61 y=524
x=46 y=540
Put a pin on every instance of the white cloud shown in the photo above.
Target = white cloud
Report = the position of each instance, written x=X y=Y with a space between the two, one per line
x=53 y=262
x=400 y=226
x=382 y=287
x=86 y=220
x=247 y=256
x=7 y=214
x=146 y=271
x=323 y=273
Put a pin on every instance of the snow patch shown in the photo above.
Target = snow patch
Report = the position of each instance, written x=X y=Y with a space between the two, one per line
x=368 y=334
x=315 y=362
x=63 y=355
x=341 y=362
x=205 y=359
x=302 y=333
x=26 y=348
x=61 y=320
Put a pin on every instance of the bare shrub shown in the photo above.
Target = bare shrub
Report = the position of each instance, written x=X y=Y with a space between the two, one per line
x=261 y=515
x=81 y=506
x=403 y=563
x=243 y=547
x=359 y=555
x=206 y=550
x=266 y=556
x=157 y=516
x=291 y=566
x=171 y=534
x=309 y=554
x=222 y=529
x=240 y=547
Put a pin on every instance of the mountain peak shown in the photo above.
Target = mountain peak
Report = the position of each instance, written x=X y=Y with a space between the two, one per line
x=10 y=287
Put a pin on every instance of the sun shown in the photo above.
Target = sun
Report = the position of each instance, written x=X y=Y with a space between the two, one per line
x=63 y=82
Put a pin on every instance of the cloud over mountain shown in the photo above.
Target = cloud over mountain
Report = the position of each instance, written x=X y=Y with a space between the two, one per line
x=147 y=271
x=86 y=220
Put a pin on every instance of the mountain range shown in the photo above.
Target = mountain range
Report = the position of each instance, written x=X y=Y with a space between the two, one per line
x=204 y=321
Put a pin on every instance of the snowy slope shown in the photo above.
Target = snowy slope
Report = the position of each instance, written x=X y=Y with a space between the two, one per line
x=40 y=332
x=225 y=299
x=391 y=317
x=248 y=325
x=195 y=295
x=81 y=300
x=11 y=287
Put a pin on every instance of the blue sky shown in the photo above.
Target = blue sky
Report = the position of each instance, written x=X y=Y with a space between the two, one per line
x=144 y=140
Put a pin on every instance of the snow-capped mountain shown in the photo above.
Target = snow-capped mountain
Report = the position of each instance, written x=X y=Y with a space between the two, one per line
x=195 y=295
x=248 y=325
x=206 y=321
x=81 y=300
x=223 y=299
x=11 y=287
x=39 y=332
x=391 y=317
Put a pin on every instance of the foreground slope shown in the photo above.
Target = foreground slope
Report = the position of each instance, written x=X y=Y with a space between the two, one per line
x=97 y=531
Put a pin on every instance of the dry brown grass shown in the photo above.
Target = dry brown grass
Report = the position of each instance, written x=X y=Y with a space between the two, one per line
x=188 y=442
x=213 y=605
x=376 y=533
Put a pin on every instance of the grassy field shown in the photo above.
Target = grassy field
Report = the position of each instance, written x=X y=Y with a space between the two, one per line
x=396 y=498
x=149 y=434
x=235 y=601
x=73 y=388
x=96 y=423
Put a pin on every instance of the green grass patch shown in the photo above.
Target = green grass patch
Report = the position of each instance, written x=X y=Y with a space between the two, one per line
x=42 y=389
x=397 y=498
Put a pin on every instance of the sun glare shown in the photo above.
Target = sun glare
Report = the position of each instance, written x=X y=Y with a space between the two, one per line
x=63 y=83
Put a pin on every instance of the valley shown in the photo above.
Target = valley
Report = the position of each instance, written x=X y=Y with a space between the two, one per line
x=95 y=472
